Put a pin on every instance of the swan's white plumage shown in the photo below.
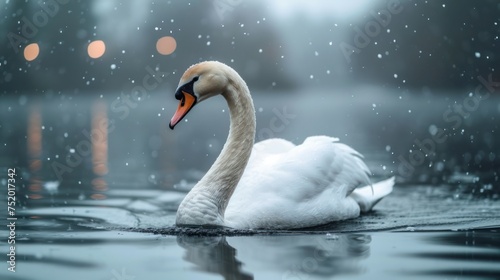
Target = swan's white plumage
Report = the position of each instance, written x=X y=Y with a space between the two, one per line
x=299 y=186
x=275 y=184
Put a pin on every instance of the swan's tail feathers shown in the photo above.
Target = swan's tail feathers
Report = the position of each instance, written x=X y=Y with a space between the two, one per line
x=368 y=196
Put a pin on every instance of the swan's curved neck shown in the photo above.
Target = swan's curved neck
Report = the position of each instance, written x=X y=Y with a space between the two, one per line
x=206 y=202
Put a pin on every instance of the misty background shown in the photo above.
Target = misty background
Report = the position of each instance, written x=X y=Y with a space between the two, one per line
x=275 y=44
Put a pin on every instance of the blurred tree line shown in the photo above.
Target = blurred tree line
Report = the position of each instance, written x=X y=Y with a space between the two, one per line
x=444 y=44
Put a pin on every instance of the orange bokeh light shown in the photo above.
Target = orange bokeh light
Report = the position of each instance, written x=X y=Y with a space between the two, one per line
x=166 y=45
x=35 y=187
x=98 y=196
x=96 y=49
x=35 y=196
x=31 y=51
x=99 y=184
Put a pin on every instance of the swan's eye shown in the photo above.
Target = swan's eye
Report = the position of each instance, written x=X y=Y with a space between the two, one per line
x=195 y=79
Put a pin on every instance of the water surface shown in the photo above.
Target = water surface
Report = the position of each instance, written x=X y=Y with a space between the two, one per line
x=97 y=202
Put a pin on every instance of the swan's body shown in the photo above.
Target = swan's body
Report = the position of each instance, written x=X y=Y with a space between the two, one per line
x=276 y=184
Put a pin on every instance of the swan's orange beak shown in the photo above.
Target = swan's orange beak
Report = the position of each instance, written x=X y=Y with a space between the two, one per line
x=186 y=102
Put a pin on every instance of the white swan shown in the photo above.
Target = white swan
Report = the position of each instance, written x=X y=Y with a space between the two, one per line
x=275 y=185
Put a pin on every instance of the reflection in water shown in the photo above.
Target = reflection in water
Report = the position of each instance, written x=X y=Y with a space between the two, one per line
x=99 y=185
x=34 y=147
x=213 y=255
x=326 y=257
x=35 y=188
x=482 y=255
x=293 y=257
x=99 y=138
x=94 y=144
x=34 y=134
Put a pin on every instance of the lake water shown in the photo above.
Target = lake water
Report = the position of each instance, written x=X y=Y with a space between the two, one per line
x=97 y=201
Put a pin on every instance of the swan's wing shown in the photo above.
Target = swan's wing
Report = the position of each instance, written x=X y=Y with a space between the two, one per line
x=263 y=149
x=273 y=146
x=307 y=185
x=347 y=165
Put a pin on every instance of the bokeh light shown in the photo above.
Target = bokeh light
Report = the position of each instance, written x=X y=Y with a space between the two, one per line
x=98 y=196
x=35 y=196
x=96 y=49
x=31 y=51
x=166 y=45
x=99 y=184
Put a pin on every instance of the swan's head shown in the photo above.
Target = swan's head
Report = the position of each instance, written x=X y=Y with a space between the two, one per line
x=199 y=82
